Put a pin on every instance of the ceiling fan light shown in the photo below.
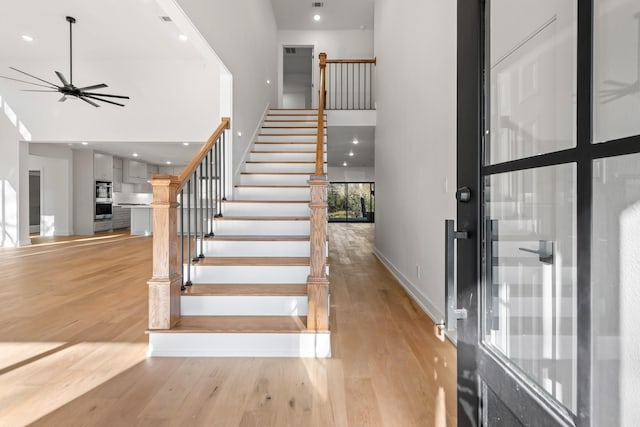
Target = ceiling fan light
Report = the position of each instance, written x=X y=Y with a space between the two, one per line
x=27 y=38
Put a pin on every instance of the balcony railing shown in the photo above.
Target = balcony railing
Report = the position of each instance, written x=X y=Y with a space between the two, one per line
x=350 y=84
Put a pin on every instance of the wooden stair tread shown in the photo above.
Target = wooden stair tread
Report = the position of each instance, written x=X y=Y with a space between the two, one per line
x=261 y=218
x=260 y=238
x=275 y=173
x=266 y=201
x=269 y=186
x=282 y=162
x=239 y=324
x=246 y=289
x=282 y=152
x=254 y=261
x=291 y=142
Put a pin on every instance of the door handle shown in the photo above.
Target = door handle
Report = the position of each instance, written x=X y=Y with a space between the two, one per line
x=452 y=312
x=544 y=251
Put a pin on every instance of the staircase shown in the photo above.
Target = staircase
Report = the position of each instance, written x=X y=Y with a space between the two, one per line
x=249 y=293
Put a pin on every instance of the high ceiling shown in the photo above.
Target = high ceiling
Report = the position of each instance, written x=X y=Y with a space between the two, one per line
x=335 y=14
x=124 y=44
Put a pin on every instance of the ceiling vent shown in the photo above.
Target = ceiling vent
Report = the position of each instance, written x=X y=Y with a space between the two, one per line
x=290 y=50
x=317 y=4
x=166 y=19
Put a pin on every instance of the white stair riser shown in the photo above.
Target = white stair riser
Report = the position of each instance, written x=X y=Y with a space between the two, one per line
x=310 y=146
x=276 y=123
x=240 y=345
x=293 y=116
x=261 y=228
x=292 y=111
x=274 y=179
x=266 y=209
x=252 y=248
x=290 y=130
x=249 y=274
x=288 y=138
x=284 y=157
x=208 y=305
x=271 y=193
x=281 y=167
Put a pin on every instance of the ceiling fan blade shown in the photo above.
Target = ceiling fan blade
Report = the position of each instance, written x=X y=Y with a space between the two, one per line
x=100 y=86
x=64 y=98
x=31 y=75
x=89 y=101
x=62 y=79
x=37 y=90
x=107 y=95
x=31 y=83
x=103 y=100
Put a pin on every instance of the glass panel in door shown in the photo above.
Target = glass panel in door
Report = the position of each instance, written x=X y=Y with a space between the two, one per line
x=532 y=79
x=616 y=66
x=530 y=275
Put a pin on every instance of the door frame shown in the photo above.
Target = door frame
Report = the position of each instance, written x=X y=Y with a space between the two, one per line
x=473 y=360
x=314 y=71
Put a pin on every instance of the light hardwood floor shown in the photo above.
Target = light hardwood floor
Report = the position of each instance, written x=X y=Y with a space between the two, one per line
x=73 y=343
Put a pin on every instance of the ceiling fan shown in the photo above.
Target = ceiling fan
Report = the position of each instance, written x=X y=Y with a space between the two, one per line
x=68 y=88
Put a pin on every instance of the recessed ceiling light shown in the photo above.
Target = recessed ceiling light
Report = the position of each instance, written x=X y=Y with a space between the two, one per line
x=268 y=82
x=186 y=144
x=27 y=38
x=135 y=154
x=239 y=133
x=351 y=154
x=183 y=38
x=355 y=140
x=316 y=17
x=344 y=164
x=168 y=162
x=85 y=143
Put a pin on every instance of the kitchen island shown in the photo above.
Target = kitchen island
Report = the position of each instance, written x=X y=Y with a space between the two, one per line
x=141 y=218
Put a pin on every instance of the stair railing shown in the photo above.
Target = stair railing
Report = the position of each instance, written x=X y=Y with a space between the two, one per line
x=350 y=84
x=317 y=283
x=199 y=192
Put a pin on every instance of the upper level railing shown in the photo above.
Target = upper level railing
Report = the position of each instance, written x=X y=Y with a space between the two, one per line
x=350 y=84
x=198 y=193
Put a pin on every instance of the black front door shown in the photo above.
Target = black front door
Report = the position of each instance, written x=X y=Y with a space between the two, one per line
x=549 y=146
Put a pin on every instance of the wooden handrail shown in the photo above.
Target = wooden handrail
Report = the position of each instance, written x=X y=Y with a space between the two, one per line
x=321 y=105
x=351 y=61
x=225 y=123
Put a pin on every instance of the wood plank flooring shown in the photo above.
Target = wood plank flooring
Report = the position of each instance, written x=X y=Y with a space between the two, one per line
x=73 y=343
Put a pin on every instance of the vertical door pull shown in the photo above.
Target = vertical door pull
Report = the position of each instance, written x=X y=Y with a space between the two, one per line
x=452 y=312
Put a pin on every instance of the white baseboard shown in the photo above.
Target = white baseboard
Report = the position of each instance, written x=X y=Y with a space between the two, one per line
x=252 y=141
x=425 y=303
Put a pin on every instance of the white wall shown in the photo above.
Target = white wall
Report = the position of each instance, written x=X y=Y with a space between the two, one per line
x=337 y=44
x=243 y=35
x=415 y=167
x=83 y=192
x=351 y=174
x=54 y=162
x=9 y=183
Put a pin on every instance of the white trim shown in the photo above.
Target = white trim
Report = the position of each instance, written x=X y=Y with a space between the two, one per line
x=425 y=303
x=247 y=151
x=177 y=344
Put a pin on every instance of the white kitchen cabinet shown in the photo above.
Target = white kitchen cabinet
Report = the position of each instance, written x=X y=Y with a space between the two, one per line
x=121 y=218
x=102 y=167
x=134 y=172
x=117 y=174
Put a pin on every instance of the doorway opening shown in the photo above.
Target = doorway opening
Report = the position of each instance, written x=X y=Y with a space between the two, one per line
x=34 y=202
x=297 y=77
